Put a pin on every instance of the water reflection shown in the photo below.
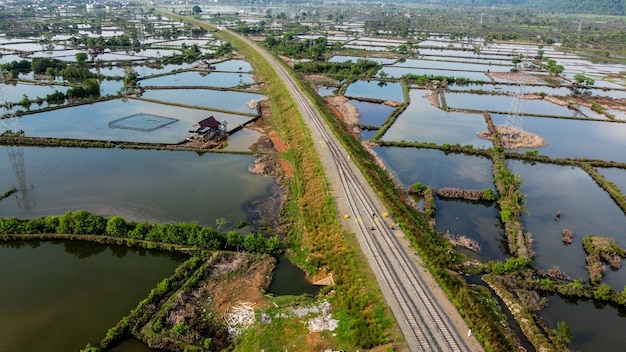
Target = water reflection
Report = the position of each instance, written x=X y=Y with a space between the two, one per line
x=70 y=298
x=376 y=90
x=289 y=279
x=372 y=114
x=192 y=78
x=503 y=103
x=615 y=175
x=223 y=100
x=427 y=166
x=600 y=328
x=585 y=207
x=475 y=220
x=82 y=250
x=139 y=185
x=423 y=122
x=576 y=138
x=93 y=121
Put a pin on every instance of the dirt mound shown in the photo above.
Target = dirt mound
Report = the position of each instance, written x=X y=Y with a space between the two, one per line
x=348 y=112
x=515 y=139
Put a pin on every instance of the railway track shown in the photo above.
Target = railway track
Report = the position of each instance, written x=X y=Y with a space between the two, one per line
x=423 y=322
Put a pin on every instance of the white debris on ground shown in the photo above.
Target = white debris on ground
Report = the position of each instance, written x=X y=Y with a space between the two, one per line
x=254 y=103
x=323 y=319
x=239 y=317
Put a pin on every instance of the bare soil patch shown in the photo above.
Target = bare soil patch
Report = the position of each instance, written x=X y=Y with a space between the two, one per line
x=286 y=60
x=515 y=139
x=347 y=112
x=239 y=278
x=320 y=80
x=515 y=76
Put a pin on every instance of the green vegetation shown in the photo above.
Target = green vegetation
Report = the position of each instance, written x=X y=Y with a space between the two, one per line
x=315 y=235
x=602 y=250
x=607 y=7
x=82 y=222
x=423 y=80
x=291 y=46
x=8 y=193
x=340 y=70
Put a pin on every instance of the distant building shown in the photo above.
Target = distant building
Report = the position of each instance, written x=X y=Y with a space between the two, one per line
x=205 y=65
x=207 y=129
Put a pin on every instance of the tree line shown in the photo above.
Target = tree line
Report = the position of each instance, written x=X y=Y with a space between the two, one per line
x=82 y=222
x=600 y=7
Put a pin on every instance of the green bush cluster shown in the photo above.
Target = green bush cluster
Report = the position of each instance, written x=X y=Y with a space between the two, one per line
x=423 y=80
x=362 y=68
x=292 y=46
x=511 y=264
x=82 y=222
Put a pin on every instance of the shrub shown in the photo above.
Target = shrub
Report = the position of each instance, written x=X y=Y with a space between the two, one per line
x=416 y=187
x=116 y=226
x=489 y=195
x=603 y=292
x=180 y=329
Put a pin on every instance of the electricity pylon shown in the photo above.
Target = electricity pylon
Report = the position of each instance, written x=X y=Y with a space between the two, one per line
x=11 y=125
x=515 y=118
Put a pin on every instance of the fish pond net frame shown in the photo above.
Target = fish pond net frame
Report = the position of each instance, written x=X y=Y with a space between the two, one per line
x=160 y=122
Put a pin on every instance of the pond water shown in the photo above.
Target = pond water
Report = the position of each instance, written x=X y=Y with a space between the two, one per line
x=233 y=66
x=411 y=165
x=615 y=175
x=110 y=87
x=397 y=72
x=326 y=91
x=511 y=88
x=132 y=345
x=139 y=185
x=16 y=92
x=585 y=207
x=92 y=121
x=289 y=279
x=476 y=220
x=483 y=60
x=224 y=100
x=423 y=122
x=503 y=103
x=114 y=71
x=206 y=79
x=457 y=66
x=367 y=134
x=366 y=47
x=6 y=58
x=380 y=60
x=576 y=138
x=376 y=90
x=59 y=296
x=144 y=70
x=445 y=53
x=372 y=114
x=69 y=54
x=596 y=326
x=189 y=42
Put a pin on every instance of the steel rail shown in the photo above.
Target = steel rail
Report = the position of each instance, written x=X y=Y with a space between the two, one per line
x=421 y=319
